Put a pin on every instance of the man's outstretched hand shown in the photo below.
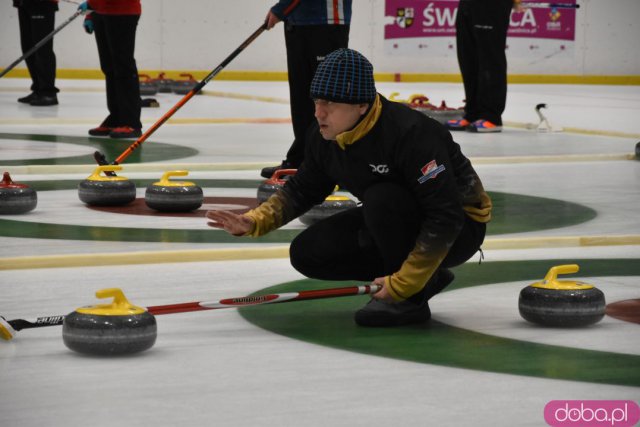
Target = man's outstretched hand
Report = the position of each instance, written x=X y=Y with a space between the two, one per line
x=232 y=223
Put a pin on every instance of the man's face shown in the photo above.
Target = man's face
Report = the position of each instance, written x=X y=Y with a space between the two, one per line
x=335 y=117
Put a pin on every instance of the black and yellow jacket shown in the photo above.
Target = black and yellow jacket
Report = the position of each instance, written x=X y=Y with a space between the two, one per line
x=391 y=143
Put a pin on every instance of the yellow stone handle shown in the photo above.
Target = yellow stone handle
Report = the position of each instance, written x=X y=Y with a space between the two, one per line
x=96 y=175
x=118 y=307
x=164 y=181
x=168 y=174
x=553 y=272
x=119 y=300
x=334 y=198
x=551 y=279
x=105 y=168
x=393 y=96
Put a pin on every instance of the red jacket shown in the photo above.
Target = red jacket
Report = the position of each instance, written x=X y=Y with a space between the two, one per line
x=116 y=7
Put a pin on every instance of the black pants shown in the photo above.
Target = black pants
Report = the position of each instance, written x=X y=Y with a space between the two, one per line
x=481 y=35
x=116 y=40
x=37 y=20
x=306 y=47
x=373 y=240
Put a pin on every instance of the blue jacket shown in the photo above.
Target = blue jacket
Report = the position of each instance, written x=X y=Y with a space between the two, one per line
x=314 y=12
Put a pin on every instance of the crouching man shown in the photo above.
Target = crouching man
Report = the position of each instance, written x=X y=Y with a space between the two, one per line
x=423 y=211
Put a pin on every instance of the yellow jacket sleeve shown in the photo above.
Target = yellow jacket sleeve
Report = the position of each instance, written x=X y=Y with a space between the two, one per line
x=269 y=216
x=415 y=271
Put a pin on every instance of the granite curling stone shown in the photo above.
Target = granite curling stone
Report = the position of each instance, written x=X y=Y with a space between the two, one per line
x=147 y=85
x=98 y=190
x=442 y=114
x=16 y=198
x=269 y=186
x=112 y=329
x=164 y=83
x=421 y=103
x=173 y=196
x=331 y=206
x=183 y=87
x=561 y=303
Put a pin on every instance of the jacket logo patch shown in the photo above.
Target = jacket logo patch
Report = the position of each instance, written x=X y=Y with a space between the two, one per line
x=430 y=170
x=381 y=169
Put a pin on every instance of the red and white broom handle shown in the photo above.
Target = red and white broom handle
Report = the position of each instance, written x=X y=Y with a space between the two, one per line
x=264 y=299
x=11 y=326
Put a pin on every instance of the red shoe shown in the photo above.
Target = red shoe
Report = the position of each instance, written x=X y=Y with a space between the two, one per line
x=125 y=132
x=100 y=131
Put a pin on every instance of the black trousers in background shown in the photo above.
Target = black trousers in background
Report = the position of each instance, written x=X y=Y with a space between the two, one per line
x=116 y=40
x=481 y=36
x=37 y=20
x=307 y=45
x=374 y=239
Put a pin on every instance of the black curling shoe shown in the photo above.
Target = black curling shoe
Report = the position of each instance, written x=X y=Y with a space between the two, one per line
x=44 y=101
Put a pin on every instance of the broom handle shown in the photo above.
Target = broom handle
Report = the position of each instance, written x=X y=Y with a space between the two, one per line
x=19 y=324
x=41 y=43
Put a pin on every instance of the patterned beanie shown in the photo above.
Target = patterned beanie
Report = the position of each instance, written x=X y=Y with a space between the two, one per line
x=344 y=76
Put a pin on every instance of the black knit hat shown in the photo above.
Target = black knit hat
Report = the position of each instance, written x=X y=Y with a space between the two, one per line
x=344 y=76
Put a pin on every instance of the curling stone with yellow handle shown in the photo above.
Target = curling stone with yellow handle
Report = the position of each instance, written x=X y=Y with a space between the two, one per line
x=563 y=303
x=104 y=190
x=117 y=328
x=173 y=196
x=331 y=206
x=16 y=198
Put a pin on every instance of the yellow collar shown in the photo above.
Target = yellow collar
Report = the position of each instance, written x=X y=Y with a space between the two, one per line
x=363 y=128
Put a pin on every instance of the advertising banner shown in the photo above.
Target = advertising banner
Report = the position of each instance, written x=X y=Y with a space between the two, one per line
x=429 y=27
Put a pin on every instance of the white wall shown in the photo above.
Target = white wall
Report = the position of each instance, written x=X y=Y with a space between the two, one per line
x=199 y=34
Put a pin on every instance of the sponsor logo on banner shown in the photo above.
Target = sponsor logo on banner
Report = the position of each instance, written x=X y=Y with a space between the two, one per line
x=431 y=24
x=404 y=17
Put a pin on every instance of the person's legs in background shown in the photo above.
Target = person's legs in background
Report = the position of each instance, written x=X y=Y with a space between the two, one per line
x=467 y=51
x=36 y=22
x=490 y=26
x=307 y=45
x=106 y=65
x=115 y=38
x=121 y=31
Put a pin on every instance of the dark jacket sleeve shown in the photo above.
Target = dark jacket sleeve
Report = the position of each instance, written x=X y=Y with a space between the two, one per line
x=423 y=156
x=476 y=202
